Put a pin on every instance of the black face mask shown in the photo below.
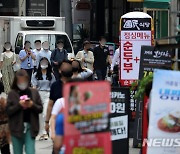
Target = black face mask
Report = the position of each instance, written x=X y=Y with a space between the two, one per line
x=67 y=73
x=75 y=69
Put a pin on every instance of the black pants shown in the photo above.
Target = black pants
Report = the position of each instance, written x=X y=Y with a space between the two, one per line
x=29 y=72
x=101 y=73
x=56 y=73
x=90 y=78
x=5 y=149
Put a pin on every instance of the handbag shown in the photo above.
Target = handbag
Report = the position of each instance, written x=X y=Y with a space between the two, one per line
x=16 y=66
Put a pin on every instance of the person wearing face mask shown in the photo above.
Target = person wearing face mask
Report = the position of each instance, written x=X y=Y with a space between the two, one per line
x=23 y=108
x=86 y=57
x=78 y=72
x=65 y=71
x=45 y=52
x=57 y=56
x=36 y=51
x=42 y=81
x=101 y=59
x=8 y=59
x=27 y=56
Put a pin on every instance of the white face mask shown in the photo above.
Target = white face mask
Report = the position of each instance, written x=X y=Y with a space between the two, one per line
x=38 y=47
x=46 y=48
x=22 y=86
x=8 y=49
x=44 y=66
x=103 y=45
x=61 y=48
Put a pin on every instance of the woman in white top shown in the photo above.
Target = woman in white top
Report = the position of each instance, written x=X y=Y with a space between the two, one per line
x=42 y=81
x=8 y=59
x=78 y=72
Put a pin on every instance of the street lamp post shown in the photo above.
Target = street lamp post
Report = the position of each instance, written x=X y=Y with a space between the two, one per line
x=66 y=11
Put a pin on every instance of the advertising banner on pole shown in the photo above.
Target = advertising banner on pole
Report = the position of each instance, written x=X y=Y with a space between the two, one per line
x=164 y=119
x=151 y=59
x=119 y=119
x=135 y=31
x=87 y=118
x=36 y=8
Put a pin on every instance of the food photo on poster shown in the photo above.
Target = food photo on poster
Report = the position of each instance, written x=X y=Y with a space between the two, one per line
x=164 y=118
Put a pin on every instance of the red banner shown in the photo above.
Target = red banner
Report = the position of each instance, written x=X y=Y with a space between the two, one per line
x=87 y=118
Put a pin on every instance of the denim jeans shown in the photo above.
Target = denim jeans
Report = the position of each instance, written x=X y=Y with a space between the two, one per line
x=26 y=140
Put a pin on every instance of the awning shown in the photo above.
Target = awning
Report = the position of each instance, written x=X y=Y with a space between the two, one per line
x=158 y=4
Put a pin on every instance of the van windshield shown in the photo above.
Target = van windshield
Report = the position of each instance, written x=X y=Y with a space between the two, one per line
x=51 y=38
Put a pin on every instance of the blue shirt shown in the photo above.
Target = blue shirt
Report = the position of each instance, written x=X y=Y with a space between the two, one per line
x=24 y=64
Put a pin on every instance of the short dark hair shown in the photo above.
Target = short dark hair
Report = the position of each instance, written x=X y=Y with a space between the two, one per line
x=64 y=61
x=37 y=41
x=80 y=68
x=45 y=42
x=102 y=38
x=86 y=42
x=60 y=41
x=20 y=73
x=26 y=42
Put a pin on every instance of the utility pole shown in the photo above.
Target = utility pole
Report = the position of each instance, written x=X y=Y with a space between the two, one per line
x=66 y=11
x=22 y=7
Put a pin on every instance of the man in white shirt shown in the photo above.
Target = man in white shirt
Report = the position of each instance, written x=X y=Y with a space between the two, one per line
x=45 y=52
x=115 y=67
x=116 y=59
x=36 y=51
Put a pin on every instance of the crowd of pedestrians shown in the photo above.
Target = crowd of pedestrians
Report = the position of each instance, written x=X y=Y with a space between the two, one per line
x=34 y=90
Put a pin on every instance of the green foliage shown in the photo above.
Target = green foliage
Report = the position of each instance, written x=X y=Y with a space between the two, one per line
x=83 y=33
x=141 y=84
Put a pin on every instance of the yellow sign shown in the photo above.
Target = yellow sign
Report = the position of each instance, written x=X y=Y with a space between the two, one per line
x=135 y=0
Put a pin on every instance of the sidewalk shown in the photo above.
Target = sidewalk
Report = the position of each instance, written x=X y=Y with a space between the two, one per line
x=45 y=147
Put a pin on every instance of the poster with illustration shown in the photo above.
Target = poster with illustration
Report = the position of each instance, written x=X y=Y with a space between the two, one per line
x=87 y=118
x=164 y=124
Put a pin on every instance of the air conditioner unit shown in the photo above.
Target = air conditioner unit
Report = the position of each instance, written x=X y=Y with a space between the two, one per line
x=36 y=24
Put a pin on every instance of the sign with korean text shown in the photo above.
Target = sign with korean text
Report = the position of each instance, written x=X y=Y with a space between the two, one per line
x=87 y=118
x=152 y=58
x=164 y=119
x=36 y=8
x=119 y=120
x=134 y=32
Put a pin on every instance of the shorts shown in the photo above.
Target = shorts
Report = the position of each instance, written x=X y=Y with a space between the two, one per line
x=60 y=124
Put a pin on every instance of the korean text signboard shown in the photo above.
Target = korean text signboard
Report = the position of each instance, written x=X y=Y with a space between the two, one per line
x=151 y=59
x=164 y=124
x=119 y=120
x=36 y=8
x=135 y=31
x=87 y=118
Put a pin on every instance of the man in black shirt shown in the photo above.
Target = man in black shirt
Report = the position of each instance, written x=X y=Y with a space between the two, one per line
x=101 y=59
x=65 y=71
